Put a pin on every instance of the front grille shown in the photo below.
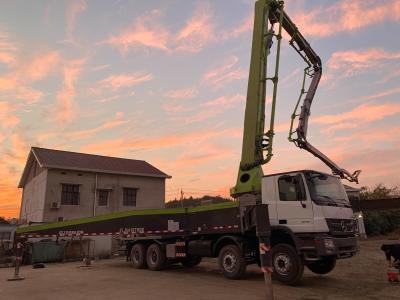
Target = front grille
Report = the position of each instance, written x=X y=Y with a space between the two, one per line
x=341 y=226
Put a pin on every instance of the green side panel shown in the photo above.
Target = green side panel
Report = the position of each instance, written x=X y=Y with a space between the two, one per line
x=123 y=214
x=213 y=207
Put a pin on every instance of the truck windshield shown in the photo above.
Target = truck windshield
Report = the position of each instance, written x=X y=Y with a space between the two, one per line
x=326 y=189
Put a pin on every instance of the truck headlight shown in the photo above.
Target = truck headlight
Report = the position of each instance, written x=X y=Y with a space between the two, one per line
x=329 y=244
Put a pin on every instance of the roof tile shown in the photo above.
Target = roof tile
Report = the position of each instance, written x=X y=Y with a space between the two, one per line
x=89 y=162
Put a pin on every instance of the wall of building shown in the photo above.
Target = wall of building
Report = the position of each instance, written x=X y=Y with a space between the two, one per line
x=33 y=196
x=151 y=193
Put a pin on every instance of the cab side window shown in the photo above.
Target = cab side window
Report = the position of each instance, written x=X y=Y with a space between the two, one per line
x=291 y=188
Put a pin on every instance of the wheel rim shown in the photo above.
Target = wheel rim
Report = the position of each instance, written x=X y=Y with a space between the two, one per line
x=153 y=257
x=229 y=262
x=136 y=256
x=282 y=263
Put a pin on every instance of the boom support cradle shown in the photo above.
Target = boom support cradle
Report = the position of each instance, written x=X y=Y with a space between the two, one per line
x=257 y=144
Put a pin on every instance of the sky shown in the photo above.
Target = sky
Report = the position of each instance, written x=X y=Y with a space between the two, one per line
x=165 y=82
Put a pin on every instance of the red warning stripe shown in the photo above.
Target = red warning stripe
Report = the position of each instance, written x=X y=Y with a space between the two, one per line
x=267 y=269
x=264 y=248
x=121 y=233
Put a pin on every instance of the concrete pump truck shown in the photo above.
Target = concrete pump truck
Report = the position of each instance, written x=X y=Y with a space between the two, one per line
x=281 y=222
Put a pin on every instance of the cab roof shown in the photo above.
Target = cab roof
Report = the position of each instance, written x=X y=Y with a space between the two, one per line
x=298 y=171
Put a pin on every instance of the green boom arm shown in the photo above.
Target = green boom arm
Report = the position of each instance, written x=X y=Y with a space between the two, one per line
x=257 y=144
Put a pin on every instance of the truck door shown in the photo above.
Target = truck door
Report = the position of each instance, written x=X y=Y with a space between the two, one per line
x=294 y=209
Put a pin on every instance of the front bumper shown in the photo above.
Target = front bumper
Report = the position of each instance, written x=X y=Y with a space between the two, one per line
x=341 y=247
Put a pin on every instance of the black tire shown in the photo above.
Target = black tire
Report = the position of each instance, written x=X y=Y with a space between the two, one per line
x=288 y=266
x=155 y=257
x=138 y=256
x=232 y=262
x=191 y=261
x=323 y=266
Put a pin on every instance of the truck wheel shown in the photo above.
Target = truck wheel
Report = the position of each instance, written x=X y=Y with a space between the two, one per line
x=323 y=266
x=288 y=266
x=232 y=262
x=155 y=257
x=138 y=256
x=191 y=261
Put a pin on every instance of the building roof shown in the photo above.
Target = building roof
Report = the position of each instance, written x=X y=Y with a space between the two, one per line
x=65 y=160
x=351 y=189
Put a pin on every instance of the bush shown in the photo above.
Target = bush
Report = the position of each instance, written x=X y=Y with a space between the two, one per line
x=381 y=222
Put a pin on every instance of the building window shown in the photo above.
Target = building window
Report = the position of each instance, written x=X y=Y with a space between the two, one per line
x=102 y=197
x=129 y=197
x=70 y=194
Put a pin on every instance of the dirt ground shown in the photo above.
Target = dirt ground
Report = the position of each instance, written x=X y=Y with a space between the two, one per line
x=361 y=277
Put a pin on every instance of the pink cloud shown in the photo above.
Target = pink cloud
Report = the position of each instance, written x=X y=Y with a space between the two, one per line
x=117 y=121
x=29 y=95
x=11 y=164
x=343 y=64
x=116 y=82
x=225 y=73
x=225 y=102
x=339 y=126
x=213 y=108
x=378 y=165
x=245 y=26
x=176 y=108
x=198 y=31
x=202 y=154
x=100 y=68
x=66 y=109
x=192 y=114
x=122 y=145
x=146 y=31
x=392 y=75
x=109 y=99
x=7 y=49
x=383 y=94
x=363 y=113
x=367 y=137
x=41 y=66
x=25 y=72
x=8 y=118
x=187 y=93
x=7 y=58
x=353 y=62
x=74 y=8
x=346 y=16
x=8 y=82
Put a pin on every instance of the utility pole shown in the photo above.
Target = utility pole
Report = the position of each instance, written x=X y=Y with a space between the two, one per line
x=182 y=198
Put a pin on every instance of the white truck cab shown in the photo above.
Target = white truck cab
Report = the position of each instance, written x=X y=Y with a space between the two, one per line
x=310 y=211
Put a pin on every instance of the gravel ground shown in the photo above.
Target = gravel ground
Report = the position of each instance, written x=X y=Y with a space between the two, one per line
x=360 y=277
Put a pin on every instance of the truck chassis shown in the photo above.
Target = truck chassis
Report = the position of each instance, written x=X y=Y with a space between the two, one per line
x=237 y=234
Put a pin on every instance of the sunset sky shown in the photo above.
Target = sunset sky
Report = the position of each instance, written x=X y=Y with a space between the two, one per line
x=165 y=81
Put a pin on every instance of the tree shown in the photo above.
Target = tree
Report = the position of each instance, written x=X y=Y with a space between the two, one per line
x=380 y=191
x=192 y=202
x=3 y=220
